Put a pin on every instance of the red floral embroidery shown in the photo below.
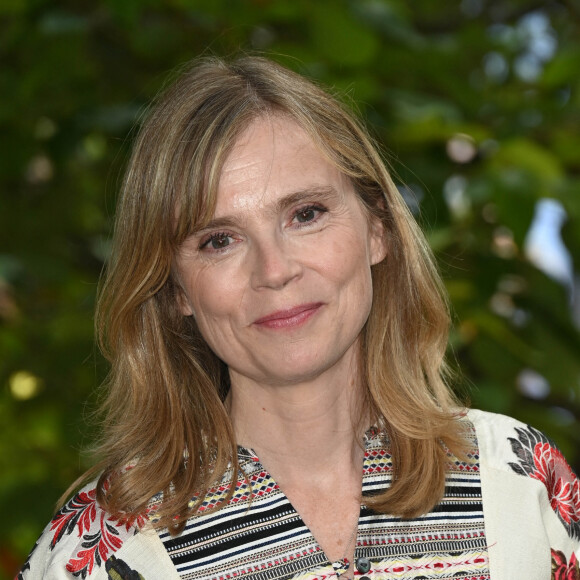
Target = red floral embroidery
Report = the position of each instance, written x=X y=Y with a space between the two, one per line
x=562 y=485
x=540 y=459
x=101 y=534
x=562 y=570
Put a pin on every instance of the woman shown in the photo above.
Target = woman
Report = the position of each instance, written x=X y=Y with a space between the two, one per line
x=277 y=405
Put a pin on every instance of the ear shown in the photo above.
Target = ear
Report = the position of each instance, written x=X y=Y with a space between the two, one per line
x=183 y=303
x=377 y=241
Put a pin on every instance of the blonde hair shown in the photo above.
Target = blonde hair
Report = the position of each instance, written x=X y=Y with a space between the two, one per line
x=164 y=412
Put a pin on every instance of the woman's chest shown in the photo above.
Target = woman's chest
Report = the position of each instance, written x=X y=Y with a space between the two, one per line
x=259 y=534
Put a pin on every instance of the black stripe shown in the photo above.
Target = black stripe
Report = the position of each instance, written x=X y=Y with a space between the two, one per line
x=216 y=542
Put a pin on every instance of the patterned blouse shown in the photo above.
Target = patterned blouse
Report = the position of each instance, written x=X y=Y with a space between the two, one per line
x=511 y=510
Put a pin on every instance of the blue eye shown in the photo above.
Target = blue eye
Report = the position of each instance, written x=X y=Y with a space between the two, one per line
x=305 y=215
x=308 y=213
x=217 y=241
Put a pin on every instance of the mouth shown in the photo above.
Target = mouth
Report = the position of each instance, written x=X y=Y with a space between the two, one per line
x=291 y=317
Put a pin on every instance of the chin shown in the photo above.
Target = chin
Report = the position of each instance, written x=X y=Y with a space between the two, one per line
x=297 y=370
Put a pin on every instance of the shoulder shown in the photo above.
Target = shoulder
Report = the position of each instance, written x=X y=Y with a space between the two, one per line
x=511 y=449
x=508 y=444
x=496 y=433
x=80 y=540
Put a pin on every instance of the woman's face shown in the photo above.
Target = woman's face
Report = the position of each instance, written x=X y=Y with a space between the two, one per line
x=279 y=282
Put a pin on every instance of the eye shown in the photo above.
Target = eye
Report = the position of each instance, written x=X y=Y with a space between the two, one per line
x=308 y=214
x=217 y=241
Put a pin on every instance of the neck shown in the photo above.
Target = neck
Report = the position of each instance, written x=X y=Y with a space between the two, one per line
x=295 y=427
x=308 y=436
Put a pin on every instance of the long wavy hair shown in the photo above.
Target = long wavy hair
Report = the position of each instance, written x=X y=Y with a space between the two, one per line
x=165 y=426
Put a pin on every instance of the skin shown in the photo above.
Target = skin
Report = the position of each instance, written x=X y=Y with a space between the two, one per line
x=280 y=286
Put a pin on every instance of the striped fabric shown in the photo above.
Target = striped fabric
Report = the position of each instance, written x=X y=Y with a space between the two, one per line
x=265 y=538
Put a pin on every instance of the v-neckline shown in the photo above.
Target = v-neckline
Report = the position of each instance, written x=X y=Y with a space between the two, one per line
x=342 y=565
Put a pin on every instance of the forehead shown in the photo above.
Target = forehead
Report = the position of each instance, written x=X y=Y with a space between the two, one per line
x=273 y=157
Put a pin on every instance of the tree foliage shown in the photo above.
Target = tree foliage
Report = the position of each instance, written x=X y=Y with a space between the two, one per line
x=476 y=102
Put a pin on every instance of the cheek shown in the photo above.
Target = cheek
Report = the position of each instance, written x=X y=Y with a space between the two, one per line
x=212 y=297
x=350 y=272
x=347 y=261
x=216 y=302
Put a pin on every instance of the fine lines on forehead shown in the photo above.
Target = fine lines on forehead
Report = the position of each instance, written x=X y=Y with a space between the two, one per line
x=320 y=194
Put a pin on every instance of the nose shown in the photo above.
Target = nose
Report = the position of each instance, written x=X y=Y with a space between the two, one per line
x=274 y=265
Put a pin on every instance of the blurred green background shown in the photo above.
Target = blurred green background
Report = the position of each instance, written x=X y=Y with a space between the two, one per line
x=477 y=103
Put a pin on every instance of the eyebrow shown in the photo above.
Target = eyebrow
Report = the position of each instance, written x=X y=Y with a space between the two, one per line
x=322 y=193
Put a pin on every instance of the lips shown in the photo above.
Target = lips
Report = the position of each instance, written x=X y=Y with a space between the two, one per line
x=291 y=317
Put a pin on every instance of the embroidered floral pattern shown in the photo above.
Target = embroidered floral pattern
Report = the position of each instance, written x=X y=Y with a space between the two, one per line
x=100 y=533
x=540 y=459
x=118 y=569
x=562 y=570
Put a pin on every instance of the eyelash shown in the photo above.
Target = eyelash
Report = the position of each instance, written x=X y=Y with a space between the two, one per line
x=206 y=241
x=310 y=207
